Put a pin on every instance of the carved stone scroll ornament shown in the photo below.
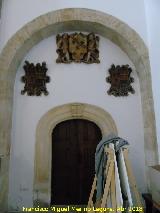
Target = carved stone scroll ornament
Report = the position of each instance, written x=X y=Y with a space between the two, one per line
x=77 y=47
x=120 y=80
x=35 y=79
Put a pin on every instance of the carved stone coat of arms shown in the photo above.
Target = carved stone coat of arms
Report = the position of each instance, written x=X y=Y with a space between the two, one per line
x=35 y=79
x=77 y=47
x=120 y=80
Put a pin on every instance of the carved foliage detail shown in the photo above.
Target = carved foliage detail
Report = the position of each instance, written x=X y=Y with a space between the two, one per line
x=120 y=80
x=77 y=47
x=35 y=79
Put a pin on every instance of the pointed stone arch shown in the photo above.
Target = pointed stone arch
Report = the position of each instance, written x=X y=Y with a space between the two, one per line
x=69 y=20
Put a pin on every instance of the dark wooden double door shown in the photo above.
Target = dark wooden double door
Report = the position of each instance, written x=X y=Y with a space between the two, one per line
x=73 y=161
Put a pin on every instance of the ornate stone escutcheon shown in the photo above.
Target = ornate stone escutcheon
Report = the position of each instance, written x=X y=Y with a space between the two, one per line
x=120 y=80
x=35 y=79
x=77 y=47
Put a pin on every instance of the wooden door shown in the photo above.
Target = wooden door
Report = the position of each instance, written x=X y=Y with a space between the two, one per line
x=73 y=161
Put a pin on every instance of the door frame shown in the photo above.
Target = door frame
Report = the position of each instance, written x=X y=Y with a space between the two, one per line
x=43 y=147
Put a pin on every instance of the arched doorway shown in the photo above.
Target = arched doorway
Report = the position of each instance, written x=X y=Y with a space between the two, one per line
x=73 y=158
x=46 y=125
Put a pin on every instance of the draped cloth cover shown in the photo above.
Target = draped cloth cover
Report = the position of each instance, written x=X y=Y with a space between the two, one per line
x=101 y=160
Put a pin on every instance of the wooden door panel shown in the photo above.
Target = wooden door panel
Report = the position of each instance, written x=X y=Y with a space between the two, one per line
x=73 y=149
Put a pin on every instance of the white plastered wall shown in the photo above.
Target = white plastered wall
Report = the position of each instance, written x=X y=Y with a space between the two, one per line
x=70 y=83
x=153 y=28
x=16 y=13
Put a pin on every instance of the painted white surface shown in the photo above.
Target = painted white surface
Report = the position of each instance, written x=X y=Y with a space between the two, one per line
x=153 y=26
x=71 y=83
x=16 y=13
x=0 y=16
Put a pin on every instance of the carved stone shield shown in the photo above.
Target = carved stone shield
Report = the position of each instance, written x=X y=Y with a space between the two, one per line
x=120 y=80
x=35 y=79
x=78 y=46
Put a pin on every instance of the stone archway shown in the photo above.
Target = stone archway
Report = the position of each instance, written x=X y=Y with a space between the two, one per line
x=42 y=179
x=65 y=20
